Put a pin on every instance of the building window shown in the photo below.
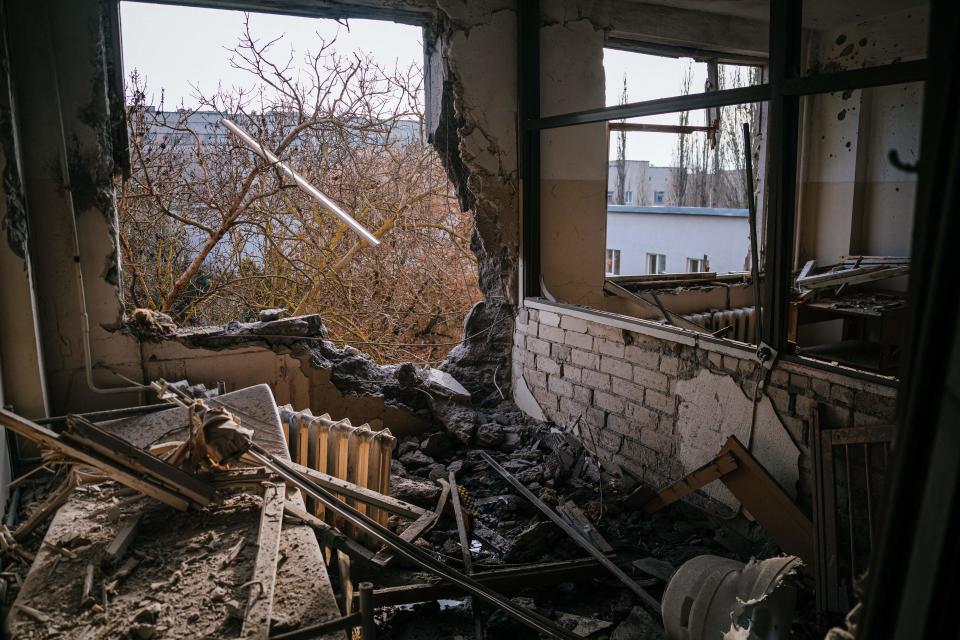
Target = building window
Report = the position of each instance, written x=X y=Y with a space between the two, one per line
x=658 y=197
x=609 y=197
x=628 y=197
x=698 y=265
x=656 y=263
x=613 y=262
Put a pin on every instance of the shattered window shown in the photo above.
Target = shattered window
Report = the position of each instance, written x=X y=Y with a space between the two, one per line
x=212 y=233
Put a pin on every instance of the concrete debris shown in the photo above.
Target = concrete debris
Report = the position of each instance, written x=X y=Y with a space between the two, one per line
x=583 y=626
x=269 y=315
x=639 y=625
x=656 y=568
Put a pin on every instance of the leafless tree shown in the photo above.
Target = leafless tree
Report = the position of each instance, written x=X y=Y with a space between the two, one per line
x=211 y=233
x=622 y=153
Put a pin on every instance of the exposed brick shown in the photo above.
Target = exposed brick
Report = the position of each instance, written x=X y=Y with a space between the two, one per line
x=573 y=324
x=572 y=408
x=523 y=316
x=560 y=352
x=609 y=348
x=804 y=406
x=642 y=357
x=596 y=418
x=531 y=328
x=820 y=387
x=553 y=334
x=583 y=394
x=779 y=377
x=535 y=378
x=835 y=417
x=547 y=365
x=608 y=402
x=548 y=401
x=534 y=315
x=842 y=395
x=731 y=364
x=622 y=425
x=626 y=389
x=799 y=382
x=549 y=318
x=866 y=420
x=658 y=442
x=538 y=346
x=560 y=386
x=579 y=340
x=616 y=367
x=519 y=340
x=642 y=415
x=585 y=359
x=875 y=405
x=604 y=331
x=572 y=373
x=780 y=399
x=659 y=401
x=595 y=379
x=715 y=359
x=651 y=379
x=669 y=365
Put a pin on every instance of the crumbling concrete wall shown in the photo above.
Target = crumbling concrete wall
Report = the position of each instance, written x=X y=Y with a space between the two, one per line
x=659 y=402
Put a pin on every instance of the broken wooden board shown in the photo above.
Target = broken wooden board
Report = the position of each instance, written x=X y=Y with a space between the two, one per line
x=572 y=514
x=768 y=503
x=51 y=440
x=256 y=620
x=329 y=535
x=854 y=275
x=713 y=470
x=418 y=527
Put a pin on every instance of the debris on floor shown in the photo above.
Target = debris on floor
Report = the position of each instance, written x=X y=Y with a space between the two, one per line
x=491 y=524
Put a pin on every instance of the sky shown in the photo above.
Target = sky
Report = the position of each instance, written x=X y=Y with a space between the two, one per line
x=181 y=49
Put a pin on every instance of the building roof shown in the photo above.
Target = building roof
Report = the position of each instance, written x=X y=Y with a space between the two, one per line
x=678 y=211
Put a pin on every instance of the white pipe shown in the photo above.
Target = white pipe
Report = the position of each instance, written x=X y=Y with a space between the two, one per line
x=255 y=146
x=65 y=172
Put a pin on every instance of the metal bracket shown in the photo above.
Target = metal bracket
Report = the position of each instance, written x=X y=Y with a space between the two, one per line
x=766 y=355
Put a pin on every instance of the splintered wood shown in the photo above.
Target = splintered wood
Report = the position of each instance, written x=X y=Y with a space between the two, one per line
x=256 y=620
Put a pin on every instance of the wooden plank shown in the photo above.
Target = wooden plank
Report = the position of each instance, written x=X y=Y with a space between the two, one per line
x=86 y=596
x=465 y=552
x=48 y=507
x=51 y=440
x=713 y=470
x=509 y=580
x=577 y=518
x=418 y=527
x=121 y=542
x=352 y=490
x=861 y=435
x=84 y=432
x=768 y=503
x=256 y=620
x=575 y=535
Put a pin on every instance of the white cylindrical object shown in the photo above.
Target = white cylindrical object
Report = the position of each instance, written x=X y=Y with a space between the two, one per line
x=257 y=148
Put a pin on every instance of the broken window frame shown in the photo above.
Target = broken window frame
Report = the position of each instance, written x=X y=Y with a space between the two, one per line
x=782 y=92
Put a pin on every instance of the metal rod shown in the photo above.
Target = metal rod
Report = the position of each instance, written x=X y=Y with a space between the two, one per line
x=850 y=531
x=752 y=207
x=866 y=463
x=465 y=551
x=308 y=188
x=320 y=630
x=410 y=551
x=575 y=534
x=368 y=626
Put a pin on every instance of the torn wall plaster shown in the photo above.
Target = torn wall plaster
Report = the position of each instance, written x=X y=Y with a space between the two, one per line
x=712 y=407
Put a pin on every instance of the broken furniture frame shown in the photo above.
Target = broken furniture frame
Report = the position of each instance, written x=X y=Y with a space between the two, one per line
x=752 y=485
x=836 y=495
x=406 y=549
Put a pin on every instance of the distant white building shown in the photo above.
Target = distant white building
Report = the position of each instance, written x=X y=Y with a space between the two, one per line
x=644 y=183
x=667 y=239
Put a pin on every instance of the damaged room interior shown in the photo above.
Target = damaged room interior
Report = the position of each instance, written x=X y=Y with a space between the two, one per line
x=425 y=319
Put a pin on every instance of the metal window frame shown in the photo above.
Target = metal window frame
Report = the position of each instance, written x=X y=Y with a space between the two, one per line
x=782 y=92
